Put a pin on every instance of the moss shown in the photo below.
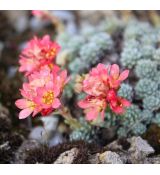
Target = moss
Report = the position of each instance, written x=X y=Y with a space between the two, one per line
x=46 y=155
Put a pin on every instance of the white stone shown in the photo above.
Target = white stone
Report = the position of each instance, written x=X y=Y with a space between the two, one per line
x=67 y=157
x=110 y=157
x=50 y=123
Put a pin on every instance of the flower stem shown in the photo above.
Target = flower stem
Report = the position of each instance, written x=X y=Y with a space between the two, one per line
x=72 y=122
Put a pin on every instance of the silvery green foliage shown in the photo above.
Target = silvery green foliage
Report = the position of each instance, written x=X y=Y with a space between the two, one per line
x=81 y=96
x=147 y=116
x=88 y=30
x=110 y=119
x=145 y=87
x=122 y=132
x=156 y=55
x=91 y=52
x=78 y=66
x=146 y=69
x=63 y=39
x=71 y=45
x=149 y=39
x=102 y=40
x=139 y=128
x=68 y=92
x=131 y=54
x=148 y=51
x=136 y=29
x=151 y=103
x=126 y=91
x=157 y=78
x=75 y=43
x=86 y=132
x=157 y=32
x=139 y=53
x=131 y=115
x=156 y=119
x=132 y=122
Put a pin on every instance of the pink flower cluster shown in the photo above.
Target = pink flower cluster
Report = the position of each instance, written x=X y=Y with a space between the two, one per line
x=101 y=85
x=42 y=91
x=38 y=52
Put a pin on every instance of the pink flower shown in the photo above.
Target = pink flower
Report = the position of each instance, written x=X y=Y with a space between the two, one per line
x=60 y=79
x=43 y=91
x=101 y=85
x=96 y=82
x=46 y=81
x=47 y=97
x=43 y=76
x=102 y=78
x=27 y=104
x=117 y=104
x=115 y=78
x=93 y=107
x=39 y=52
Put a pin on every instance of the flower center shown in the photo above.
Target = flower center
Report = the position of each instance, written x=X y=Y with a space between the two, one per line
x=51 y=53
x=48 y=97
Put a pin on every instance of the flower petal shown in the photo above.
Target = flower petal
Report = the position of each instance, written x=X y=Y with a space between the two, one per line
x=22 y=103
x=92 y=114
x=40 y=91
x=114 y=72
x=36 y=111
x=25 y=113
x=56 y=103
x=118 y=110
x=45 y=112
x=56 y=90
x=84 y=104
x=124 y=75
x=125 y=102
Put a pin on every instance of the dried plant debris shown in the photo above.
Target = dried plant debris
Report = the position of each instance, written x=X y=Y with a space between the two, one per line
x=9 y=143
x=49 y=155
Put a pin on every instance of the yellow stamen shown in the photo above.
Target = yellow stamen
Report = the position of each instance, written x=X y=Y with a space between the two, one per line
x=48 y=97
x=50 y=66
x=51 y=53
x=31 y=104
